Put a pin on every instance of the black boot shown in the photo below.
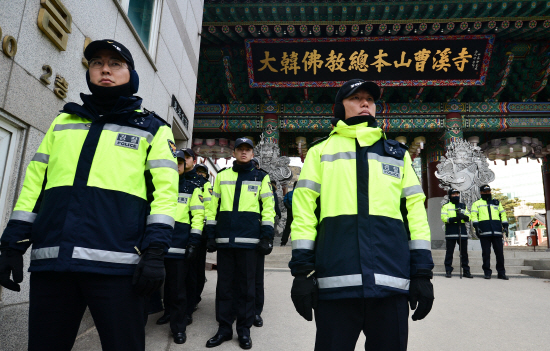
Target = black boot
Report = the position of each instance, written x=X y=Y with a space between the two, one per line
x=448 y=274
x=467 y=274
x=164 y=319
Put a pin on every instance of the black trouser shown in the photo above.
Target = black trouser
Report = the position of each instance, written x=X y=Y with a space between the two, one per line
x=451 y=243
x=58 y=301
x=237 y=264
x=259 y=296
x=286 y=231
x=201 y=274
x=191 y=287
x=498 y=248
x=175 y=294
x=384 y=321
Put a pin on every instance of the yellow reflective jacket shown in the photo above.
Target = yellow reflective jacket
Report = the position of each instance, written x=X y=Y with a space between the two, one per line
x=452 y=230
x=98 y=191
x=189 y=215
x=488 y=222
x=359 y=216
x=242 y=208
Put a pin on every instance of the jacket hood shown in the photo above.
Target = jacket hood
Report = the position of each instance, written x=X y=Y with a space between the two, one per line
x=365 y=135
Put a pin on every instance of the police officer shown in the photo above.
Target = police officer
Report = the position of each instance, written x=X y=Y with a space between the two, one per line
x=455 y=214
x=489 y=219
x=360 y=235
x=242 y=225
x=199 y=263
x=97 y=206
x=184 y=246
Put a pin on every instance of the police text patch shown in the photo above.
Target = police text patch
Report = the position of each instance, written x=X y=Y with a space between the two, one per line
x=391 y=170
x=129 y=141
x=182 y=200
x=253 y=188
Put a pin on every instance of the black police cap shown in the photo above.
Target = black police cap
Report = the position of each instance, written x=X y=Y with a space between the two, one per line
x=112 y=45
x=351 y=86
x=242 y=141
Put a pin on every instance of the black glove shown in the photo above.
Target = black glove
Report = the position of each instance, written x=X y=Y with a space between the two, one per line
x=453 y=220
x=191 y=253
x=421 y=292
x=304 y=295
x=265 y=246
x=149 y=274
x=11 y=263
x=211 y=245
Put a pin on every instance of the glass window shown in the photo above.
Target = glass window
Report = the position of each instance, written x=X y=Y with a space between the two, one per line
x=140 y=13
x=8 y=140
x=145 y=18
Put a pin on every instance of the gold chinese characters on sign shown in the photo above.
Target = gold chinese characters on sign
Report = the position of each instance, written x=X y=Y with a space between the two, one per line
x=55 y=21
x=313 y=61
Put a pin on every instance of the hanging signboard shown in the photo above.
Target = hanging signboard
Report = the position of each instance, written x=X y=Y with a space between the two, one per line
x=389 y=61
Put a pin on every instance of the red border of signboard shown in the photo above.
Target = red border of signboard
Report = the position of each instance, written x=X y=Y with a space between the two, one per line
x=383 y=83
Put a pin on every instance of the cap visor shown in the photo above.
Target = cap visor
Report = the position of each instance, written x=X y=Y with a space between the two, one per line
x=95 y=46
x=371 y=87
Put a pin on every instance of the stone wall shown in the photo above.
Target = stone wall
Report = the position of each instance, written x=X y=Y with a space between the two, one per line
x=169 y=68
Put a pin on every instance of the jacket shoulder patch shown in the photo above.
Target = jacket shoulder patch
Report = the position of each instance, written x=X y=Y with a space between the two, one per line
x=394 y=149
x=318 y=141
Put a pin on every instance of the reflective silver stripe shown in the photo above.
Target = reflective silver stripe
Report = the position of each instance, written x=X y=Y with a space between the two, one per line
x=340 y=281
x=185 y=195
x=474 y=211
x=45 y=252
x=196 y=231
x=161 y=164
x=175 y=250
x=420 y=245
x=348 y=155
x=198 y=207
x=310 y=184
x=411 y=190
x=23 y=216
x=129 y=130
x=502 y=211
x=303 y=244
x=393 y=282
x=463 y=236
x=247 y=240
x=82 y=126
x=207 y=199
x=160 y=218
x=216 y=194
x=222 y=240
x=38 y=157
x=83 y=253
x=211 y=221
x=266 y=195
x=444 y=213
x=228 y=182
x=251 y=182
x=474 y=222
x=269 y=223
x=505 y=222
x=385 y=159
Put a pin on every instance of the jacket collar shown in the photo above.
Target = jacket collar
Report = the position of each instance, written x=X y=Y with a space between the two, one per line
x=365 y=135
x=124 y=108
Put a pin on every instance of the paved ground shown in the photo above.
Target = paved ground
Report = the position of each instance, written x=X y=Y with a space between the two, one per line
x=468 y=314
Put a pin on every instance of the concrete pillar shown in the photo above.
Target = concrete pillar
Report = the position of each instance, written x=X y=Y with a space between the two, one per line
x=424 y=175
x=546 y=184
x=271 y=128
x=435 y=149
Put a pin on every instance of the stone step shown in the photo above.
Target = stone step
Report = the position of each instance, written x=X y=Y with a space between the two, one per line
x=473 y=261
x=538 y=273
x=541 y=264
x=508 y=254
x=439 y=268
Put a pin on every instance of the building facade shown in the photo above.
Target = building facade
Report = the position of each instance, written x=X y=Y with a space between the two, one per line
x=42 y=67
